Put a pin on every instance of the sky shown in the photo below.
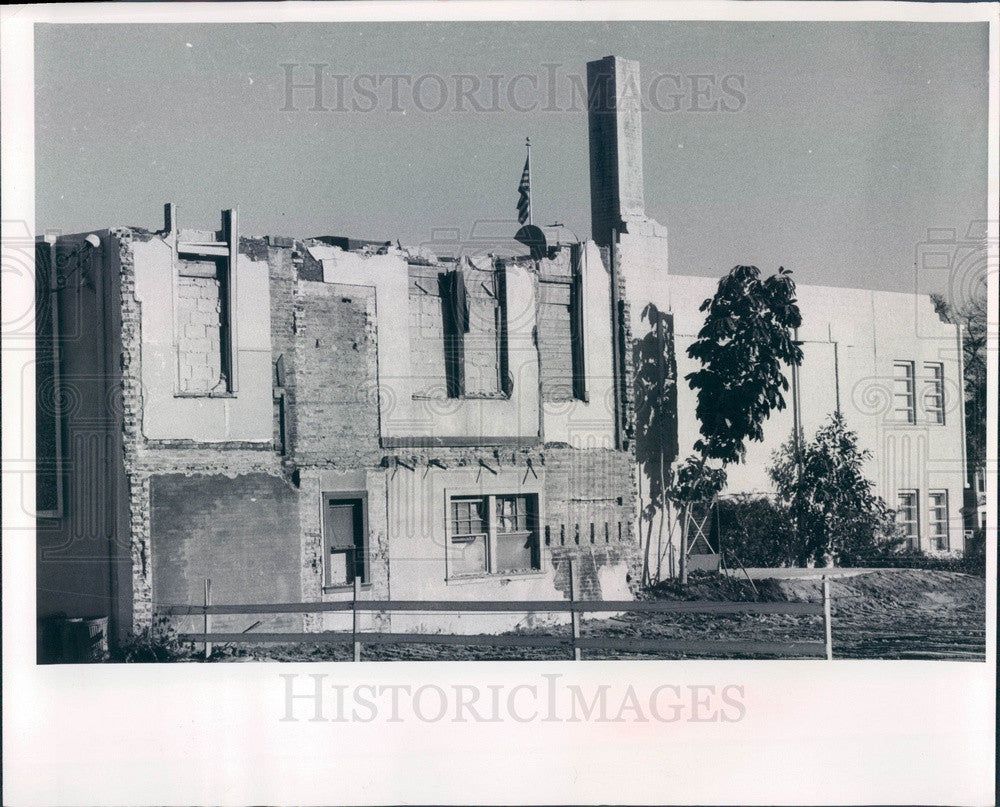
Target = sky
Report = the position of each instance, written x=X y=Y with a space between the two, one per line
x=827 y=148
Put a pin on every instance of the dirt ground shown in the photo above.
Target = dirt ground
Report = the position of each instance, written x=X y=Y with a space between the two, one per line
x=878 y=614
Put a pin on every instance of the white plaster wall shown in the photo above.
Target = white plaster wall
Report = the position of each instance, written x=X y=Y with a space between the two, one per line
x=246 y=416
x=418 y=509
x=871 y=329
x=589 y=424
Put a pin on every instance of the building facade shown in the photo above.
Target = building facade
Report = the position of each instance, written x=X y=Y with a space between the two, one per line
x=283 y=416
x=287 y=416
x=886 y=361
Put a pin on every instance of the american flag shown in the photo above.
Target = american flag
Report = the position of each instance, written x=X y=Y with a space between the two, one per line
x=524 y=202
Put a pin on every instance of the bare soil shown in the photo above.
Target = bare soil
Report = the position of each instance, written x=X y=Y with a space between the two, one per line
x=881 y=614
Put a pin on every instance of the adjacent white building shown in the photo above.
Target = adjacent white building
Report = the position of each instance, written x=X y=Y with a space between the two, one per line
x=885 y=360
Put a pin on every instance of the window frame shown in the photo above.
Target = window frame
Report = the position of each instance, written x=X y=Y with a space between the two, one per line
x=224 y=254
x=910 y=394
x=353 y=496
x=427 y=281
x=533 y=517
x=468 y=537
x=934 y=388
x=914 y=540
x=456 y=322
x=939 y=540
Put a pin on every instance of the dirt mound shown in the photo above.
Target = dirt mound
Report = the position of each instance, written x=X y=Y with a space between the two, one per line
x=881 y=613
x=718 y=588
x=887 y=588
x=892 y=589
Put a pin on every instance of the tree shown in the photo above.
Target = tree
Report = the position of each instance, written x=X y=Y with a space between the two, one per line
x=655 y=420
x=970 y=317
x=747 y=338
x=839 y=518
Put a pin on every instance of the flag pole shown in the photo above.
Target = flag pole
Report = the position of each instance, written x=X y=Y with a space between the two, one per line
x=527 y=143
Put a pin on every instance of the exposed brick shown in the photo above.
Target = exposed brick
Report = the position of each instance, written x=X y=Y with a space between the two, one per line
x=198 y=325
x=325 y=336
x=241 y=533
x=332 y=393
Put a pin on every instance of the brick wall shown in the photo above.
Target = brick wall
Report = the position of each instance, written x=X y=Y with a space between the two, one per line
x=625 y=371
x=587 y=564
x=242 y=533
x=427 y=333
x=482 y=359
x=132 y=402
x=335 y=385
x=589 y=511
x=555 y=330
x=325 y=335
x=198 y=333
x=555 y=341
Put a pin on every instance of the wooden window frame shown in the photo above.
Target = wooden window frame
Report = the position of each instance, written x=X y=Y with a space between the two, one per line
x=914 y=541
x=909 y=393
x=352 y=496
x=934 y=391
x=533 y=518
x=940 y=540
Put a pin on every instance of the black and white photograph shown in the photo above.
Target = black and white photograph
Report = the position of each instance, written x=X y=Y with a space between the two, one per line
x=631 y=366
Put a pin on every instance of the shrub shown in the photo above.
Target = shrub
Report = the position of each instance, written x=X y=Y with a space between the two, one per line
x=757 y=530
x=838 y=516
x=969 y=564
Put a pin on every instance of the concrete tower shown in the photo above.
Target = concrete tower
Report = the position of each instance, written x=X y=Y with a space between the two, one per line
x=615 y=125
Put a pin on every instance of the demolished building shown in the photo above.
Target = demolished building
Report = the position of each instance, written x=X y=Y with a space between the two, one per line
x=285 y=416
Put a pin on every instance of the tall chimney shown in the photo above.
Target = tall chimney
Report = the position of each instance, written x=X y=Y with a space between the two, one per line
x=615 y=124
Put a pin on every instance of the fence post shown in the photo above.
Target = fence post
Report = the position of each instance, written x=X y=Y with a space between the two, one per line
x=208 y=618
x=827 y=626
x=685 y=519
x=574 y=614
x=354 y=606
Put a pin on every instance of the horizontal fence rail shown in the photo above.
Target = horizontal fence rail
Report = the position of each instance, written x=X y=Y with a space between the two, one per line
x=506 y=606
x=572 y=606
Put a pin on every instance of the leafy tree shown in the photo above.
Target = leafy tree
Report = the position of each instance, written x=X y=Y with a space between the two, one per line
x=655 y=419
x=696 y=481
x=839 y=517
x=746 y=338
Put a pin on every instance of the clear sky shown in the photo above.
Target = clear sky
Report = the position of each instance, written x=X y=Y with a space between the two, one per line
x=850 y=140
